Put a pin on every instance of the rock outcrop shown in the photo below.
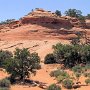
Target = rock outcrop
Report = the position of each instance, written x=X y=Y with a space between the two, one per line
x=88 y=23
x=15 y=24
x=47 y=19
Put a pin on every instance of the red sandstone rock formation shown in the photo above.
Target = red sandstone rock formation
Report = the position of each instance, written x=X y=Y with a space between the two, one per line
x=15 y=24
x=42 y=17
x=47 y=19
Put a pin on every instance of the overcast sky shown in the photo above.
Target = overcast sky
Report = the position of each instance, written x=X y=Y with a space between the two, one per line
x=14 y=9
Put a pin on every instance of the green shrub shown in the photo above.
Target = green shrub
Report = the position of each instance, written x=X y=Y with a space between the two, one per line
x=60 y=78
x=60 y=75
x=73 y=13
x=55 y=73
x=59 y=72
x=5 y=83
x=4 y=55
x=77 y=75
x=22 y=64
x=58 y=13
x=71 y=55
x=75 y=41
x=54 y=87
x=87 y=81
x=77 y=69
x=67 y=83
x=49 y=59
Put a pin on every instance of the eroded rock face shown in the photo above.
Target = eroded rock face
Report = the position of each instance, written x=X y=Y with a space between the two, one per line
x=15 y=24
x=11 y=25
x=46 y=19
x=1 y=27
x=75 y=21
x=88 y=23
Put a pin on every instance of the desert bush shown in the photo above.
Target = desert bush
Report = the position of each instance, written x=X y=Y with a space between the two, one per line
x=68 y=83
x=58 y=72
x=87 y=81
x=82 y=19
x=75 y=41
x=4 y=55
x=22 y=64
x=77 y=69
x=60 y=75
x=49 y=59
x=73 y=13
x=71 y=55
x=60 y=78
x=55 y=73
x=5 y=83
x=54 y=87
x=78 y=76
x=35 y=61
x=58 y=13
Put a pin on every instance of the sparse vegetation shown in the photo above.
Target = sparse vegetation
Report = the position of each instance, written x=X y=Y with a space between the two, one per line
x=7 y=21
x=60 y=78
x=77 y=69
x=75 y=41
x=49 y=59
x=58 y=13
x=87 y=81
x=68 y=83
x=73 y=13
x=60 y=75
x=74 y=57
x=5 y=84
x=77 y=76
x=54 y=87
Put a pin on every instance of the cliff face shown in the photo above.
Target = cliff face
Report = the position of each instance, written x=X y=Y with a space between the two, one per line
x=47 y=22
